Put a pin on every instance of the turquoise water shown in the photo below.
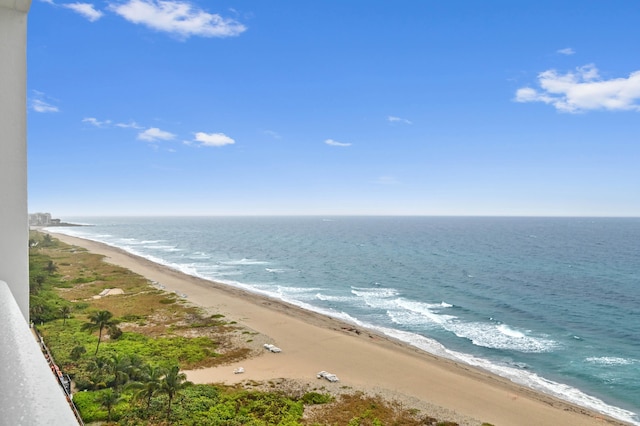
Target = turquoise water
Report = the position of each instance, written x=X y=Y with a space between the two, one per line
x=551 y=303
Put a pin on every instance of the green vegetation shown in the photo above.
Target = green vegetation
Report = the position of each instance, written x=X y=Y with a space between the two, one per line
x=358 y=409
x=98 y=321
x=125 y=353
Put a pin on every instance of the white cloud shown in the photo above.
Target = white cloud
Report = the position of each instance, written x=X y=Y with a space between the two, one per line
x=566 y=51
x=213 y=139
x=96 y=122
x=109 y=123
x=336 y=143
x=38 y=105
x=393 y=119
x=177 y=17
x=584 y=90
x=131 y=125
x=153 y=134
x=85 y=9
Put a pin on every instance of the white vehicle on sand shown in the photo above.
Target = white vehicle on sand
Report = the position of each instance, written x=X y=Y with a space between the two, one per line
x=326 y=375
x=272 y=348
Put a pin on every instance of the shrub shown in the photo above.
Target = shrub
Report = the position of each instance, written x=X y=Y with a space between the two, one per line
x=77 y=352
x=312 y=398
x=114 y=332
x=89 y=407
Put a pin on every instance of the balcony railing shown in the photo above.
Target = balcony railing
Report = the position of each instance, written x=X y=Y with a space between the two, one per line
x=29 y=392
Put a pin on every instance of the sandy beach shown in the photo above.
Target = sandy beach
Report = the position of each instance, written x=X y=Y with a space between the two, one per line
x=362 y=359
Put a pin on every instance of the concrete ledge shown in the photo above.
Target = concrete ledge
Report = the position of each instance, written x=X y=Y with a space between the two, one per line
x=19 y=5
x=30 y=394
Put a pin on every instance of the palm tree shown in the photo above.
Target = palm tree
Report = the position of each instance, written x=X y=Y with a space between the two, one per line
x=36 y=312
x=51 y=267
x=137 y=368
x=35 y=283
x=120 y=367
x=172 y=383
x=65 y=311
x=47 y=240
x=98 y=321
x=108 y=398
x=149 y=385
x=99 y=367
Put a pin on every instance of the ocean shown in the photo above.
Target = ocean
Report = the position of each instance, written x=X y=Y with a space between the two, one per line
x=550 y=303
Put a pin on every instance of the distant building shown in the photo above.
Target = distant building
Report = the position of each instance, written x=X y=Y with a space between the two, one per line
x=41 y=219
x=45 y=219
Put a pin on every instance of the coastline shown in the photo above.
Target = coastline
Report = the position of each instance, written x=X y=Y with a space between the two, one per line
x=362 y=359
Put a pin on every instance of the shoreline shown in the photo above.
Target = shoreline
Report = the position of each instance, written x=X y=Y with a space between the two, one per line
x=361 y=358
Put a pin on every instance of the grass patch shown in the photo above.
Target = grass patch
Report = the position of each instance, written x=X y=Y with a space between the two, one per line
x=358 y=409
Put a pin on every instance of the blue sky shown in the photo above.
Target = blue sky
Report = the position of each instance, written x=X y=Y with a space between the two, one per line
x=141 y=107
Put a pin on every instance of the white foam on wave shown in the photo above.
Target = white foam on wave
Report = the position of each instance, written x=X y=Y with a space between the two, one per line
x=507 y=331
x=189 y=269
x=486 y=334
x=328 y=298
x=559 y=390
x=213 y=267
x=275 y=270
x=292 y=293
x=431 y=346
x=383 y=292
x=611 y=360
x=517 y=375
x=407 y=318
x=492 y=335
x=198 y=255
x=502 y=337
x=162 y=247
x=246 y=262
x=298 y=290
x=128 y=241
x=419 y=313
x=378 y=298
x=229 y=273
x=152 y=241
x=128 y=244
x=216 y=271
x=135 y=241
x=277 y=293
x=422 y=307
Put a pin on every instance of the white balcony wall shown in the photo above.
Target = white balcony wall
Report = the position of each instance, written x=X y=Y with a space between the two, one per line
x=29 y=392
x=14 y=256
